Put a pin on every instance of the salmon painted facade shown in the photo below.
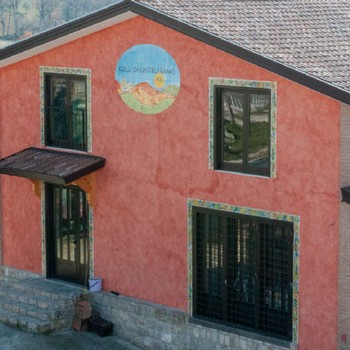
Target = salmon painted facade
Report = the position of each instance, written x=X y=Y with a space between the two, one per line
x=165 y=184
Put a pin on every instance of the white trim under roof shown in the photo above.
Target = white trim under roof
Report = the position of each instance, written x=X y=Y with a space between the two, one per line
x=68 y=38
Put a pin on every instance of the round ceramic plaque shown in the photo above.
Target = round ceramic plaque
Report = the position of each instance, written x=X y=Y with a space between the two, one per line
x=148 y=79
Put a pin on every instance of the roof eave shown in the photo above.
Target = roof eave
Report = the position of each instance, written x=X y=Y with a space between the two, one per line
x=65 y=33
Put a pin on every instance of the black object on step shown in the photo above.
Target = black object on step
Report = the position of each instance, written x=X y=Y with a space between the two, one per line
x=100 y=326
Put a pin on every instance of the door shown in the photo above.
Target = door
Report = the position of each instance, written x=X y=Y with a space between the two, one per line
x=68 y=234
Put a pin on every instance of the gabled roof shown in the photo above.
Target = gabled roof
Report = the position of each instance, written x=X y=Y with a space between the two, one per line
x=307 y=41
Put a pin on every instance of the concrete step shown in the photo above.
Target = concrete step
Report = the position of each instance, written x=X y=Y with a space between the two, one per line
x=51 y=313
x=38 y=305
x=46 y=288
x=40 y=301
x=31 y=324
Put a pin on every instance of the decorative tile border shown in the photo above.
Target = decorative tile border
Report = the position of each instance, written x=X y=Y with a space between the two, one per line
x=213 y=83
x=43 y=230
x=91 y=243
x=64 y=70
x=251 y=212
x=87 y=74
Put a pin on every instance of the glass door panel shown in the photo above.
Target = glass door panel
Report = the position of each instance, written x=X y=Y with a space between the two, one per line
x=70 y=234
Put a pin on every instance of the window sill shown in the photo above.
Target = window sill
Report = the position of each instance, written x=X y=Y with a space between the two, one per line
x=244 y=333
x=244 y=174
x=71 y=150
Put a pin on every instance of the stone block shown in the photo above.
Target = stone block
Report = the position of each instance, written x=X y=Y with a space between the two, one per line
x=83 y=310
x=166 y=338
x=152 y=326
x=173 y=316
x=80 y=325
x=243 y=344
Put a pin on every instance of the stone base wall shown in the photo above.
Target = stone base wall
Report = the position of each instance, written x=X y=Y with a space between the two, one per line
x=157 y=327
x=344 y=235
x=12 y=273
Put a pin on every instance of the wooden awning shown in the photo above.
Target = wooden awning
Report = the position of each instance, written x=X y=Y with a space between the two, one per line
x=56 y=167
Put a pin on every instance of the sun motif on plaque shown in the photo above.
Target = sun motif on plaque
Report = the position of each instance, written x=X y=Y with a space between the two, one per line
x=148 y=79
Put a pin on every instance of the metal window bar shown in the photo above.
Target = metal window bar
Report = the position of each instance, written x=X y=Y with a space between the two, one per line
x=66 y=129
x=65 y=111
x=243 y=274
x=209 y=266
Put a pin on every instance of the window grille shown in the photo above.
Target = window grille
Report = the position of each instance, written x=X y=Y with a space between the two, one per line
x=65 y=111
x=243 y=271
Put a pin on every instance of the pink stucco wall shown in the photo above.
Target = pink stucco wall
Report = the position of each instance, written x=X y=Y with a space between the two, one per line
x=155 y=162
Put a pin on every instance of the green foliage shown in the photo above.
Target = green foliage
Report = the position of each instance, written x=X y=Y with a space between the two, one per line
x=259 y=136
x=172 y=90
x=233 y=143
x=131 y=101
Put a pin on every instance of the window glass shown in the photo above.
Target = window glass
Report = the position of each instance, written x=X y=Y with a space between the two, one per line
x=65 y=110
x=259 y=130
x=243 y=125
x=58 y=110
x=78 y=104
x=232 y=114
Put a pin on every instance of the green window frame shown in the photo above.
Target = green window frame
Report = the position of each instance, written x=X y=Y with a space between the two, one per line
x=243 y=130
x=243 y=271
x=65 y=111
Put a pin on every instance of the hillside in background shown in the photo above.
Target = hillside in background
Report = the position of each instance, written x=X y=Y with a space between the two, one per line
x=23 y=18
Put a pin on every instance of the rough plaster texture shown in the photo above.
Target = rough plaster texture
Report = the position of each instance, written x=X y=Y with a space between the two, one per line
x=155 y=162
x=344 y=235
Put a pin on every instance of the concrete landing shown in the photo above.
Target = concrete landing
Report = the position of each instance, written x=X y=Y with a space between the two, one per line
x=11 y=339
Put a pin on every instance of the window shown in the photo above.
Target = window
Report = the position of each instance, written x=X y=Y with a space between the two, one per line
x=242 y=130
x=242 y=269
x=65 y=111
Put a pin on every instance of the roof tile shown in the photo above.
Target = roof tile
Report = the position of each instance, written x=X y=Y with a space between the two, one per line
x=311 y=36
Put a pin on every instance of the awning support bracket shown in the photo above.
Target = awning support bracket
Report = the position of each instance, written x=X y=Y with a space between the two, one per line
x=36 y=186
x=86 y=183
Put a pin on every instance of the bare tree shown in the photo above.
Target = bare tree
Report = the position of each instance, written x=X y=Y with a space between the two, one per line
x=27 y=5
x=15 y=14
x=3 y=15
x=45 y=9
x=10 y=14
